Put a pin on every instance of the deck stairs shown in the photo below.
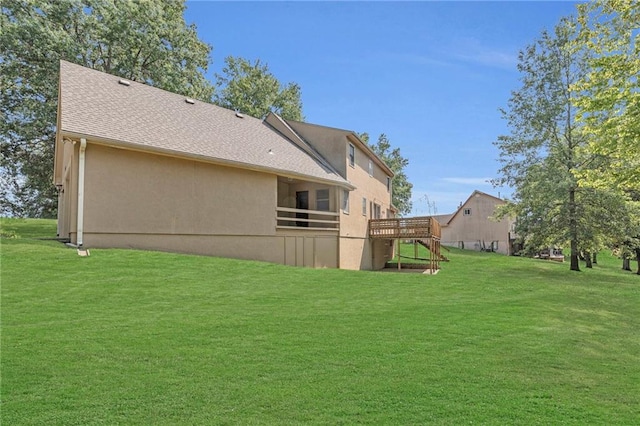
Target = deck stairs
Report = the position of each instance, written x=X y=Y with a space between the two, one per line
x=428 y=247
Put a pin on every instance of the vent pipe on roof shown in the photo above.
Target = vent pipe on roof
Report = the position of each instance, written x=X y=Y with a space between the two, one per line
x=189 y=101
x=239 y=114
x=124 y=82
x=81 y=163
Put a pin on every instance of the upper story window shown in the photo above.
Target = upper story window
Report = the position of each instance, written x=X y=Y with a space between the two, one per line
x=364 y=206
x=466 y=212
x=388 y=184
x=370 y=168
x=377 y=211
x=345 y=201
x=322 y=200
x=352 y=155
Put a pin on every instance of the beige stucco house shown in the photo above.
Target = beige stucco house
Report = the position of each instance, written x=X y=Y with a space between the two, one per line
x=139 y=167
x=472 y=226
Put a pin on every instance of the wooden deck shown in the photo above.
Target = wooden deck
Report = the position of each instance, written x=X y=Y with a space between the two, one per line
x=423 y=230
x=405 y=228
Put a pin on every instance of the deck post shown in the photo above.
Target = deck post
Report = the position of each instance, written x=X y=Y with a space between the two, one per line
x=434 y=254
x=398 y=244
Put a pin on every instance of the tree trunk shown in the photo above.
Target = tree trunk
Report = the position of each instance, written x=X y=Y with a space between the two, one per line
x=587 y=259
x=573 y=230
x=626 y=263
x=595 y=258
x=638 y=259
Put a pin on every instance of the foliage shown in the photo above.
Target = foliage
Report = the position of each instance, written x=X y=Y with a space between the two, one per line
x=145 y=41
x=252 y=89
x=543 y=151
x=400 y=185
x=608 y=95
x=134 y=337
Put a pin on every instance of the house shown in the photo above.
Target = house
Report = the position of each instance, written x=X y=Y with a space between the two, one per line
x=140 y=167
x=472 y=227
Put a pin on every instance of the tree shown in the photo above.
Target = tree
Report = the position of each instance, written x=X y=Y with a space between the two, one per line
x=400 y=185
x=251 y=89
x=628 y=244
x=608 y=95
x=542 y=152
x=145 y=41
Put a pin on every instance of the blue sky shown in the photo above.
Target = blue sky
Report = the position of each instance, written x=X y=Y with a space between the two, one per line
x=430 y=75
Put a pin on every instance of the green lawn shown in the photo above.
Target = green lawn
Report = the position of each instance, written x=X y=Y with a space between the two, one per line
x=130 y=337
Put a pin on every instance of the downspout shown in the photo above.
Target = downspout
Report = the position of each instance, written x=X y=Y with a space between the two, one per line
x=81 y=161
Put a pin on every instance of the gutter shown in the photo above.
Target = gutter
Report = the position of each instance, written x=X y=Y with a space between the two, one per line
x=81 y=165
x=97 y=140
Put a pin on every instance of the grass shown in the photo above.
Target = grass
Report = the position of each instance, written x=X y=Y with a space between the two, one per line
x=136 y=337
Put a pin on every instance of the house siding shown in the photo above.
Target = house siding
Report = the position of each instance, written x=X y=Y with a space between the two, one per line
x=357 y=250
x=146 y=201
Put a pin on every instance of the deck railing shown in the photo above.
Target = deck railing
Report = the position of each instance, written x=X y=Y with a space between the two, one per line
x=409 y=228
x=301 y=219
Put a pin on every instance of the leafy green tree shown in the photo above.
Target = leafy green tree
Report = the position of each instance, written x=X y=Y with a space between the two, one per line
x=608 y=95
x=252 y=89
x=145 y=41
x=400 y=185
x=628 y=244
x=542 y=152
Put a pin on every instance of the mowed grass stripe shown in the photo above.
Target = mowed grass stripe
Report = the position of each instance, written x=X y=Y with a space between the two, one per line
x=138 y=337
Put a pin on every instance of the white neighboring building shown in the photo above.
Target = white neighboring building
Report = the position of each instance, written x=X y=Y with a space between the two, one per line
x=471 y=227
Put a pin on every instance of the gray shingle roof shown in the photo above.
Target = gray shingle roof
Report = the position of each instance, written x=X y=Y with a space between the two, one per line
x=94 y=104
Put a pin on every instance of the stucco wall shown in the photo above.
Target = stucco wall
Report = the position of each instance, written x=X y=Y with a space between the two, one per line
x=145 y=201
x=327 y=141
x=356 y=249
x=132 y=192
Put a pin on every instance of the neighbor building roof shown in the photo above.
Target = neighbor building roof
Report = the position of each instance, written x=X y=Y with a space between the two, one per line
x=97 y=106
x=474 y=193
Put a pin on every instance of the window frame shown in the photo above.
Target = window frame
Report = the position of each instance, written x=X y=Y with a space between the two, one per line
x=377 y=211
x=352 y=155
x=345 y=201
x=327 y=200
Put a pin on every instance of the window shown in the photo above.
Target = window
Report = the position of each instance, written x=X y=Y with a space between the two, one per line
x=364 y=206
x=370 y=168
x=345 y=201
x=377 y=213
x=352 y=155
x=322 y=200
x=388 y=184
x=466 y=212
